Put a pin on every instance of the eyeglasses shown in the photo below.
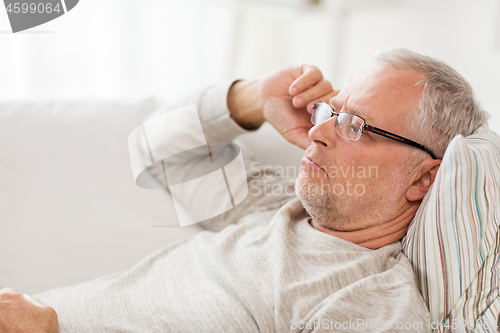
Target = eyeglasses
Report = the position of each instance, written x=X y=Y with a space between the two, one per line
x=351 y=126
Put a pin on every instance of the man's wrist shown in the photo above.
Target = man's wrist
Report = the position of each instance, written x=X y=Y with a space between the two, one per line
x=244 y=104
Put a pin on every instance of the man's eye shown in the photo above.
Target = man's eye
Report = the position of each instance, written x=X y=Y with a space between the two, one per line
x=354 y=129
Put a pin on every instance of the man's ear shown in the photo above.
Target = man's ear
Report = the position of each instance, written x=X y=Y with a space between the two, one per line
x=426 y=174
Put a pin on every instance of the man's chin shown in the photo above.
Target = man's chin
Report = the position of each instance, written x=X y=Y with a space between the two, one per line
x=307 y=191
x=300 y=182
x=312 y=200
x=322 y=205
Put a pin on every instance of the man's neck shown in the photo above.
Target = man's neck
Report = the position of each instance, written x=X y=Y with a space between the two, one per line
x=373 y=237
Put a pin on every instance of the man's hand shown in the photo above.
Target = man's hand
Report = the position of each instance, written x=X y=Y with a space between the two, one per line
x=23 y=313
x=284 y=98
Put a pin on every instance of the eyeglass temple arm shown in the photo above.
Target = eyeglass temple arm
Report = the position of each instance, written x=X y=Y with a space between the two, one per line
x=398 y=138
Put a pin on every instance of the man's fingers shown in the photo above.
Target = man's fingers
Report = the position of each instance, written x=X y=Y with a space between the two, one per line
x=8 y=294
x=23 y=313
x=33 y=300
x=326 y=98
x=310 y=76
x=315 y=92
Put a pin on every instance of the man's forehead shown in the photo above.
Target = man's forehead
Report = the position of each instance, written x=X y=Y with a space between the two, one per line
x=379 y=88
x=335 y=103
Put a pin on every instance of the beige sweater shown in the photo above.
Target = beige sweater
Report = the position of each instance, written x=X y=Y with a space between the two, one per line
x=267 y=270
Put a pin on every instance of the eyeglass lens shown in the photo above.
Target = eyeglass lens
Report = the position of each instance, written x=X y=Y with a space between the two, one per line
x=321 y=113
x=347 y=125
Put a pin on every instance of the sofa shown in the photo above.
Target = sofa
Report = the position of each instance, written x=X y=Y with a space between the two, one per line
x=70 y=210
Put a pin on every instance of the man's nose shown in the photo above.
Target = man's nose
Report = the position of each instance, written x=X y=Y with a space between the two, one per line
x=324 y=134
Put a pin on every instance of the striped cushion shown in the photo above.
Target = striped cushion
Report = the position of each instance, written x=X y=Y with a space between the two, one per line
x=453 y=241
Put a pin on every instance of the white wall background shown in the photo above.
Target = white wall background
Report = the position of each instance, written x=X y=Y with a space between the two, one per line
x=124 y=48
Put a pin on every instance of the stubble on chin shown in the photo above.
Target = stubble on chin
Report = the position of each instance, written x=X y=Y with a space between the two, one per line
x=323 y=205
x=342 y=212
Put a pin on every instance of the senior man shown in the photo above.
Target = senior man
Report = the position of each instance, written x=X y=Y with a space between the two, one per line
x=323 y=261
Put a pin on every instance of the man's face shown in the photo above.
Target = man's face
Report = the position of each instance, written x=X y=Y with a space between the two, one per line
x=362 y=183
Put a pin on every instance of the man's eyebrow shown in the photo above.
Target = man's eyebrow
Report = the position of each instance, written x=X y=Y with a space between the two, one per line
x=333 y=103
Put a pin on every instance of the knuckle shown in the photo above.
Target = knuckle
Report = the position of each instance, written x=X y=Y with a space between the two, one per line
x=315 y=70
x=6 y=290
x=312 y=69
x=8 y=293
x=50 y=312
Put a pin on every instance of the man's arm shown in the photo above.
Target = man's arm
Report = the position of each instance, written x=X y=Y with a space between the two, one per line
x=20 y=313
x=226 y=111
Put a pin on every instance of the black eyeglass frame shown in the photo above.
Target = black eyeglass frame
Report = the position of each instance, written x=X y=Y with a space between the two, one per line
x=379 y=131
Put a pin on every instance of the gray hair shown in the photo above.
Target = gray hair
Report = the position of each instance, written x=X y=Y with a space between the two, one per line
x=447 y=105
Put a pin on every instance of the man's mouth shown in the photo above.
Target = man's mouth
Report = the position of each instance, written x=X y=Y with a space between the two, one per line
x=309 y=163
